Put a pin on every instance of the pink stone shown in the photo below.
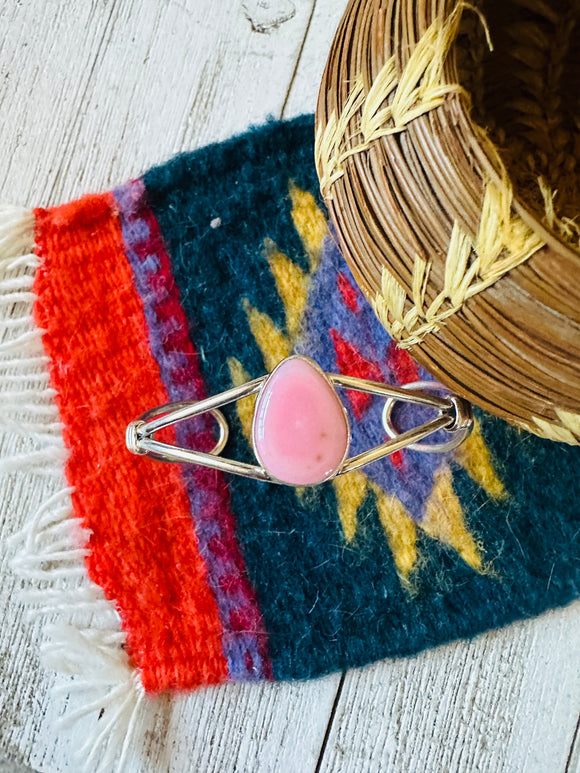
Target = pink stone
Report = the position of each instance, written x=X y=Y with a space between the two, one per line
x=300 y=429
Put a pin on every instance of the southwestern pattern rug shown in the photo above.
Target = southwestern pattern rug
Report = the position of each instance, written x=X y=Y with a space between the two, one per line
x=200 y=275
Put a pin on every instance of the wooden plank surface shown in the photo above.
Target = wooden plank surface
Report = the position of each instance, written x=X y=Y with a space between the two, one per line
x=94 y=93
x=507 y=701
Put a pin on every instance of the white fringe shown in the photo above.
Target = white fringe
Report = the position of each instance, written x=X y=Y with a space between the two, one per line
x=88 y=642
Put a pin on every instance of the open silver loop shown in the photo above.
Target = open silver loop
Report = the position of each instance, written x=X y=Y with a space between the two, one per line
x=138 y=430
x=457 y=434
x=140 y=433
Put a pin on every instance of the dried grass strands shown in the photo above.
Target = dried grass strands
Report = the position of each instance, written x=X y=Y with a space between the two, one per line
x=419 y=89
x=481 y=282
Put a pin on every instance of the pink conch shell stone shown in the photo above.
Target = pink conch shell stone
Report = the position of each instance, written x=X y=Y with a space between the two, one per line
x=300 y=428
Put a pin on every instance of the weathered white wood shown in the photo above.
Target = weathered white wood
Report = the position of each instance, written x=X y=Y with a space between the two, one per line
x=268 y=729
x=91 y=94
x=507 y=701
x=175 y=76
x=47 y=52
x=303 y=95
x=573 y=764
x=24 y=685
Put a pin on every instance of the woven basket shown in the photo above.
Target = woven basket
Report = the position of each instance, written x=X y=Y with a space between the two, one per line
x=450 y=172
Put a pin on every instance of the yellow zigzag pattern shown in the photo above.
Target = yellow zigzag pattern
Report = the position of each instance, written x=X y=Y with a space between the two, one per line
x=310 y=222
x=444 y=519
x=292 y=284
x=399 y=529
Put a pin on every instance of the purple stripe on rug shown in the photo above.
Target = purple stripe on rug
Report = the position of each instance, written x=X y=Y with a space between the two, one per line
x=245 y=640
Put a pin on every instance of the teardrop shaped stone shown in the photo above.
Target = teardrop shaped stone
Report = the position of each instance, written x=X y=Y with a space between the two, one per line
x=300 y=429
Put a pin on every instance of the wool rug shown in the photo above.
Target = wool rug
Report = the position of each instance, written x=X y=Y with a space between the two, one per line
x=203 y=274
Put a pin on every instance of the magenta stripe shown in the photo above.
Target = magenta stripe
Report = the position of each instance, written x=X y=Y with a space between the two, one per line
x=245 y=639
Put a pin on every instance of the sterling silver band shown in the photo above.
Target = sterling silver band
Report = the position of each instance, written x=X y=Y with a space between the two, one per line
x=454 y=417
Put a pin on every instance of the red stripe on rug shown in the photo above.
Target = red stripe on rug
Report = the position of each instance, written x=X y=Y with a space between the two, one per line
x=144 y=551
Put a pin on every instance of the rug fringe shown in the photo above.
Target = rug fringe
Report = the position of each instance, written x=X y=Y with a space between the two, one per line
x=88 y=642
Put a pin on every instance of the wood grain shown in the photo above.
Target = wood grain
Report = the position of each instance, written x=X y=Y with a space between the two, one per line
x=94 y=93
x=507 y=701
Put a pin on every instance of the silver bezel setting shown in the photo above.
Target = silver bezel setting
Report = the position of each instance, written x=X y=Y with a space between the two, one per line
x=454 y=416
x=317 y=368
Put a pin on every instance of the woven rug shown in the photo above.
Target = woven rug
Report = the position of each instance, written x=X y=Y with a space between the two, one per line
x=200 y=275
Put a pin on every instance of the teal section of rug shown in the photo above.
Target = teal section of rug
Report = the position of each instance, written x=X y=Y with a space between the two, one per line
x=437 y=547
